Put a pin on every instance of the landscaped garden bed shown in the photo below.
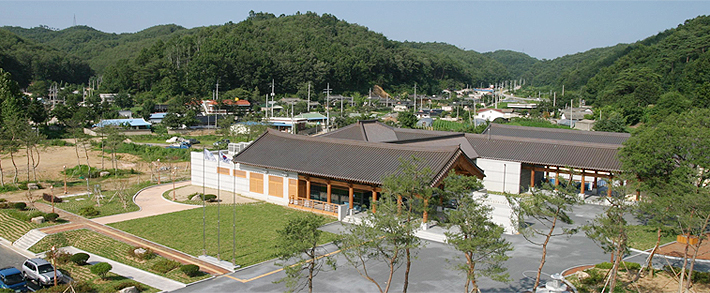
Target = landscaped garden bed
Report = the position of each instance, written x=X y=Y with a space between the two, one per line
x=111 y=202
x=660 y=281
x=115 y=250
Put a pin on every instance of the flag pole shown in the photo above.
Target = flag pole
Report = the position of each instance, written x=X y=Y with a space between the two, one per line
x=218 y=199
x=234 y=215
x=204 y=242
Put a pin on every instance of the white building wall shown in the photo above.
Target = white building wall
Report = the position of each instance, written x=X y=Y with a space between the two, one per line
x=239 y=185
x=499 y=173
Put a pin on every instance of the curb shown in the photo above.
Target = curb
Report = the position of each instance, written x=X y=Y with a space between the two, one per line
x=23 y=252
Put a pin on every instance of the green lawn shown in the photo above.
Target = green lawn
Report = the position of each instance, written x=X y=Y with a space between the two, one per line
x=644 y=237
x=255 y=230
x=109 y=248
x=12 y=228
x=108 y=206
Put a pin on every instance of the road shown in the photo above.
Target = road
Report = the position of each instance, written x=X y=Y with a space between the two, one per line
x=10 y=258
x=433 y=269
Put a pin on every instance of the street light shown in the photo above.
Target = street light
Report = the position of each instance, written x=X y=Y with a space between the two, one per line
x=54 y=263
x=51 y=187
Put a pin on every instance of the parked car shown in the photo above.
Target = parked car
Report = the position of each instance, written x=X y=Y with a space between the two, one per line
x=182 y=145
x=11 y=278
x=193 y=141
x=222 y=144
x=40 y=271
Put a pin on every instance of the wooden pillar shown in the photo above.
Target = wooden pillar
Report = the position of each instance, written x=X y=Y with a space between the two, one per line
x=425 y=216
x=595 y=179
x=328 y=190
x=638 y=195
x=581 y=188
x=532 y=177
x=308 y=187
x=374 y=201
x=350 y=195
x=557 y=176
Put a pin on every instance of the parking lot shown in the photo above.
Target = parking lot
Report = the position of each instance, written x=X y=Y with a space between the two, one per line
x=432 y=270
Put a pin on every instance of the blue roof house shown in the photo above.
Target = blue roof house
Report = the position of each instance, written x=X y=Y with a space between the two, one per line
x=129 y=123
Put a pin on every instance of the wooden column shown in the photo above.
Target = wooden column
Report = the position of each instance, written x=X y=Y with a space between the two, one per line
x=595 y=179
x=328 y=191
x=532 y=177
x=374 y=201
x=557 y=177
x=581 y=188
x=308 y=188
x=350 y=195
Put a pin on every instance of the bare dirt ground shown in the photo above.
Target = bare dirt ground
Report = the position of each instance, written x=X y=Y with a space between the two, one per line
x=53 y=159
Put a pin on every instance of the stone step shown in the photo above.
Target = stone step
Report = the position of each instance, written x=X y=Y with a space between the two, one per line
x=29 y=239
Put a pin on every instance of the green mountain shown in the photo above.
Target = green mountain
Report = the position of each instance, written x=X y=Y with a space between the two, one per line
x=516 y=63
x=98 y=48
x=28 y=61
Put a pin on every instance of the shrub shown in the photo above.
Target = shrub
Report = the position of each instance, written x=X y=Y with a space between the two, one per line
x=51 y=217
x=101 y=269
x=79 y=258
x=208 y=197
x=6 y=290
x=165 y=265
x=89 y=211
x=632 y=266
x=190 y=270
x=48 y=198
x=128 y=283
x=20 y=206
x=3 y=200
x=701 y=277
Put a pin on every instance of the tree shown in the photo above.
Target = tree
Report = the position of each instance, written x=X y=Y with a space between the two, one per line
x=407 y=119
x=171 y=120
x=382 y=237
x=547 y=208
x=388 y=234
x=670 y=161
x=610 y=231
x=612 y=122
x=297 y=247
x=475 y=235
x=101 y=269
x=123 y=100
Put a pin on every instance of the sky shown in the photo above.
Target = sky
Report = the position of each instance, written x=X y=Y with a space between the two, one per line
x=541 y=29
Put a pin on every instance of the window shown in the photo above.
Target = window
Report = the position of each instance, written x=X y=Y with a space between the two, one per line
x=240 y=173
x=276 y=186
x=256 y=183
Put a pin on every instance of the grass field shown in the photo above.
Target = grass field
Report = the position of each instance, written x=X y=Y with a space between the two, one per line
x=644 y=237
x=255 y=230
x=109 y=248
x=108 y=206
x=12 y=228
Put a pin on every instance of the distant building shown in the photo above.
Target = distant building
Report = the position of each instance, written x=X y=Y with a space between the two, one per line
x=128 y=123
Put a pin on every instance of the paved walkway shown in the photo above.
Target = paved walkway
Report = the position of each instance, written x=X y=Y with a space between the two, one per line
x=151 y=203
x=148 y=278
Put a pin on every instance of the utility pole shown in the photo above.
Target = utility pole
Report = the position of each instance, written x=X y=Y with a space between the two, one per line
x=308 y=106
x=327 y=107
x=272 y=98
x=415 y=98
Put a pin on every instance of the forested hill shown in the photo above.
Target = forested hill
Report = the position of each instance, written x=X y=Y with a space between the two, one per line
x=516 y=63
x=28 y=61
x=292 y=50
x=98 y=48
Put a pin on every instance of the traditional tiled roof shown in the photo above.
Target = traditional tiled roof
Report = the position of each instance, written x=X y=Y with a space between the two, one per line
x=348 y=160
x=592 y=156
x=557 y=134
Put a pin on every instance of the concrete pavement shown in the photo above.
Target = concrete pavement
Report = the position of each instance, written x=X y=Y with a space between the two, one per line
x=151 y=203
